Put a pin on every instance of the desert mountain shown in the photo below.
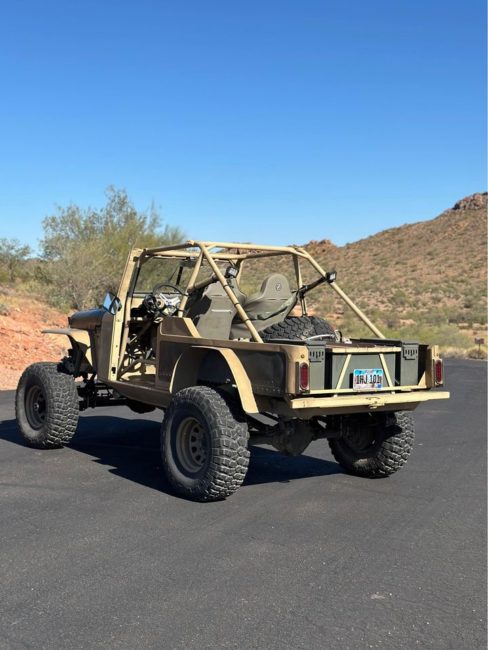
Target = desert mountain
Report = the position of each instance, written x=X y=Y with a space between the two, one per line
x=431 y=271
x=424 y=280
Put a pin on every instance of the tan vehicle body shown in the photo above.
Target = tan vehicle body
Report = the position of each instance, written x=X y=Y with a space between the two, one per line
x=232 y=368
x=265 y=375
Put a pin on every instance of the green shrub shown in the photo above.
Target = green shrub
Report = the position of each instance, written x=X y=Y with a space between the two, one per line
x=444 y=335
x=13 y=260
x=84 y=251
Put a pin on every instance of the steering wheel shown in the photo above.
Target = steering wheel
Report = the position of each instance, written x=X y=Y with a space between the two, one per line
x=157 y=288
x=158 y=301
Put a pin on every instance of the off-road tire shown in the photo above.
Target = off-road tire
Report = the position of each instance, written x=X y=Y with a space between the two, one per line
x=47 y=385
x=388 y=449
x=223 y=428
x=297 y=328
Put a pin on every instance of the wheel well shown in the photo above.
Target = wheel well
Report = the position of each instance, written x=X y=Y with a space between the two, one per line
x=214 y=367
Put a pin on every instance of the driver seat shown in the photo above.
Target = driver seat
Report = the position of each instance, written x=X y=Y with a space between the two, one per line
x=212 y=314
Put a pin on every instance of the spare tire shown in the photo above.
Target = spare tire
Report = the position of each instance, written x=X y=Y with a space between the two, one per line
x=297 y=328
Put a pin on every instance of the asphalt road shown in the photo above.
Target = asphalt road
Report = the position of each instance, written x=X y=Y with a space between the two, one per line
x=96 y=553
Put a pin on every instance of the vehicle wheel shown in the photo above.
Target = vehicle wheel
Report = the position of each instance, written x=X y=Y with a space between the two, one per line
x=46 y=406
x=374 y=445
x=204 y=444
x=297 y=327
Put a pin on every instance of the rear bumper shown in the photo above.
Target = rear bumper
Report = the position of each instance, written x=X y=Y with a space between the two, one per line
x=408 y=401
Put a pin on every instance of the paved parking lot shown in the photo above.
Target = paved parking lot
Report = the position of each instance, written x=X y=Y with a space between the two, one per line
x=97 y=553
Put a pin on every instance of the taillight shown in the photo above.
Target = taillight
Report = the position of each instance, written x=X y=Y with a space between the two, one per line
x=439 y=372
x=303 y=376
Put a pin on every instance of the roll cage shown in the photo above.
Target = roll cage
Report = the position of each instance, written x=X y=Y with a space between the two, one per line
x=235 y=254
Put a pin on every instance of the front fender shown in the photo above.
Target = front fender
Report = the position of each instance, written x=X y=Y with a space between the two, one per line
x=79 y=339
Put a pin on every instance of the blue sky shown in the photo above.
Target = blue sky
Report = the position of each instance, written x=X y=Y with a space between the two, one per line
x=267 y=121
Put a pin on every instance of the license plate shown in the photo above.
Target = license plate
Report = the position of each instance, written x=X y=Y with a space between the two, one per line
x=367 y=379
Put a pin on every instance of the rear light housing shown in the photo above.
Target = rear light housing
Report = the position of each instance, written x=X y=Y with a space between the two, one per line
x=304 y=377
x=438 y=372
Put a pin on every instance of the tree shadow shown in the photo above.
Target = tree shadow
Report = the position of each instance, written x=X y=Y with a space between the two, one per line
x=130 y=449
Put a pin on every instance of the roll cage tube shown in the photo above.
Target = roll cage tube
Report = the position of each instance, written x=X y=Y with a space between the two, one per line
x=328 y=277
x=236 y=254
x=210 y=280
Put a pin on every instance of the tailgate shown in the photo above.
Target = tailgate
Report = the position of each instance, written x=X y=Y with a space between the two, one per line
x=367 y=367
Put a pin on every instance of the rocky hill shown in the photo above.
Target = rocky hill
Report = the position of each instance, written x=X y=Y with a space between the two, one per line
x=423 y=280
x=435 y=269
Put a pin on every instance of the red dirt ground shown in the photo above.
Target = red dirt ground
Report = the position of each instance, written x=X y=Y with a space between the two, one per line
x=21 y=341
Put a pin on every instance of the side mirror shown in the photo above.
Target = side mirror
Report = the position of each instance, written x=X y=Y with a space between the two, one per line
x=111 y=303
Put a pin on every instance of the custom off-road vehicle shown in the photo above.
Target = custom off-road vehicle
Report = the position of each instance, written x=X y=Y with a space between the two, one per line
x=231 y=367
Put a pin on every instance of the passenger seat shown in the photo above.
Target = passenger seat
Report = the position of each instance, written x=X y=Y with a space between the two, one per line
x=268 y=306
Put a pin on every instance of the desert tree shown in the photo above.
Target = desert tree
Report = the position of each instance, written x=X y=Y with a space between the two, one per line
x=13 y=258
x=84 y=250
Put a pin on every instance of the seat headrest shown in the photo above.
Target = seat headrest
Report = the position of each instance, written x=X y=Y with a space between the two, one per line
x=276 y=285
x=214 y=289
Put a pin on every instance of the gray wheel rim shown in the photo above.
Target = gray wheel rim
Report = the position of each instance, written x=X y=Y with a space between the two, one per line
x=35 y=407
x=360 y=441
x=362 y=438
x=191 y=445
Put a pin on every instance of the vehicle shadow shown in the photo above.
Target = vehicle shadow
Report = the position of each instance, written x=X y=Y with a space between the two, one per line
x=130 y=449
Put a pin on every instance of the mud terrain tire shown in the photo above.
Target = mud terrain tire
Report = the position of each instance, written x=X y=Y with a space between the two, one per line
x=378 y=450
x=297 y=328
x=204 y=444
x=46 y=406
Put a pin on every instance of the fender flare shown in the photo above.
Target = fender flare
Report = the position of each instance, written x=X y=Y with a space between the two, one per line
x=78 y=338
x=185 y=373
